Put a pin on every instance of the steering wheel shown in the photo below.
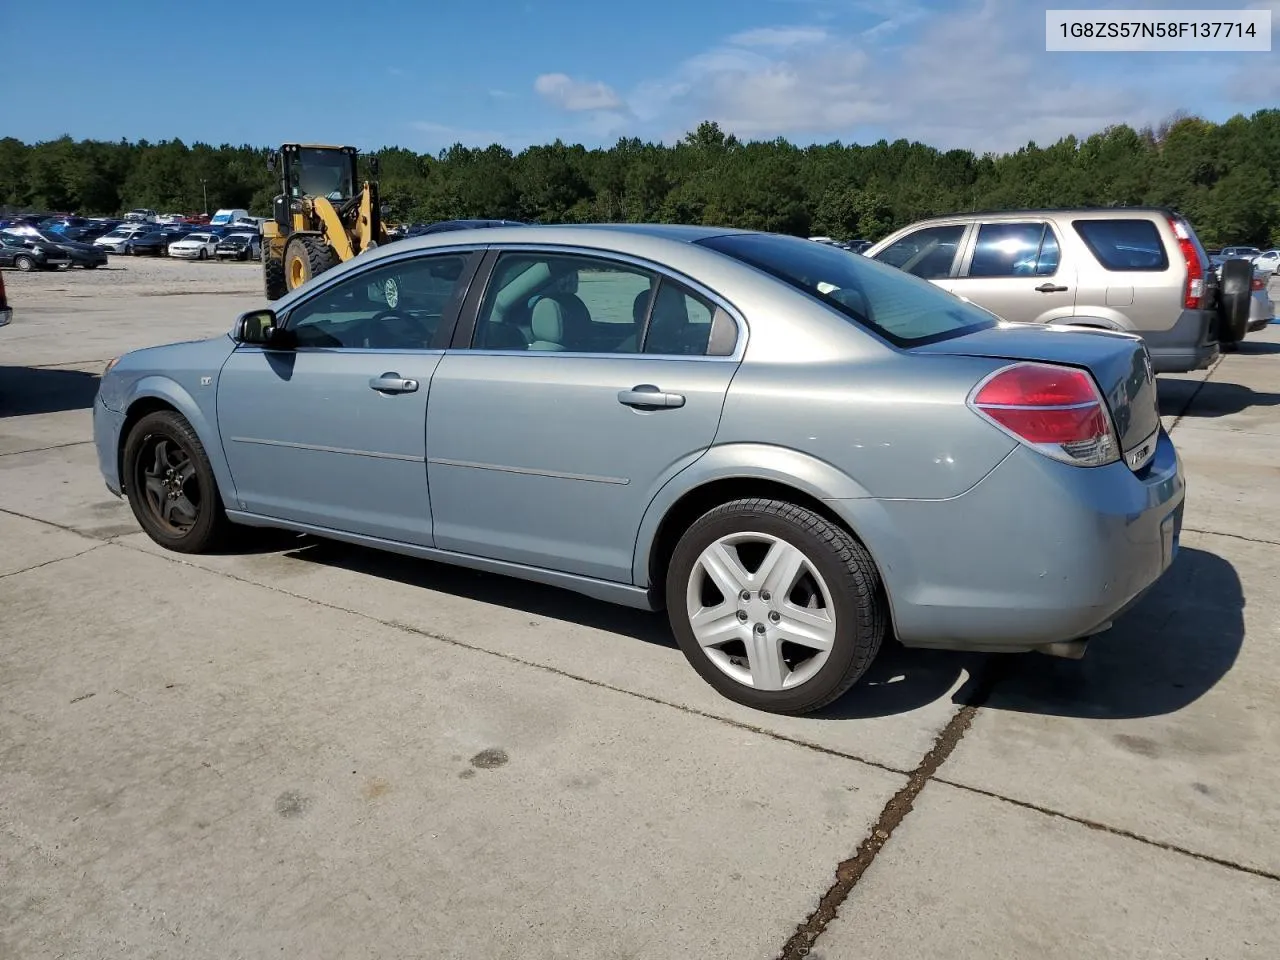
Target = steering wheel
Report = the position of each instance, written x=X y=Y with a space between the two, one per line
x=391 y=329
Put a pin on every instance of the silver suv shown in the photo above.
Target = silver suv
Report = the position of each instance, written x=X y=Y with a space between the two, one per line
x=1142 y=271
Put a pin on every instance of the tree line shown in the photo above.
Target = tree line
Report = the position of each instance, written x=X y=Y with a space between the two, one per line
x=1225 y=177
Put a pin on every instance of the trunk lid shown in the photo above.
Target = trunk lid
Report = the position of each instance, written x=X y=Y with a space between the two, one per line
x=1119 y=363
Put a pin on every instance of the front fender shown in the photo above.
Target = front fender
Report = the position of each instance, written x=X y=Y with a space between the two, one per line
x=176 y=396
x=740 y=461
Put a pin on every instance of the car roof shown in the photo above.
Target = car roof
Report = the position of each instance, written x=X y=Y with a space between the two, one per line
x=1095 y=213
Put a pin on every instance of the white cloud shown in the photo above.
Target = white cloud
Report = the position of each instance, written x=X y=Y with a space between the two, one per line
x=576 y=95
x=779 y=37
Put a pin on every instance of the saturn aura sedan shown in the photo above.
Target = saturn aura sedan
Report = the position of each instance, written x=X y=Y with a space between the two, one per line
x=796 y=452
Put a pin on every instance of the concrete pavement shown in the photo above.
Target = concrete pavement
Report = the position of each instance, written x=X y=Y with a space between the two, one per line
x=310 y=748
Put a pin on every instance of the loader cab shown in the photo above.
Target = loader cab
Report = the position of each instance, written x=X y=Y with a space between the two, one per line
x=311 y=170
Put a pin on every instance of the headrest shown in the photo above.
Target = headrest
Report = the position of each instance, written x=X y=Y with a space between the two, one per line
x=548 y=320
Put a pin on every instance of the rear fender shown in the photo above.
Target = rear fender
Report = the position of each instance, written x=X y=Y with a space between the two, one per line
x=740 y=461
x=173 y=393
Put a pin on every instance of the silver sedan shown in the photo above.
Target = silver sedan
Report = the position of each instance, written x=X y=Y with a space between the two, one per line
x=795 y=451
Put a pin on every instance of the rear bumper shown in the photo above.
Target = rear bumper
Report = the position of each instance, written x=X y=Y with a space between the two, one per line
x=1038 y=552
x=1190 y=344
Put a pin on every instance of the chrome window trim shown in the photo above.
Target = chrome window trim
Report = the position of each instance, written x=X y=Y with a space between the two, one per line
x=660 y=270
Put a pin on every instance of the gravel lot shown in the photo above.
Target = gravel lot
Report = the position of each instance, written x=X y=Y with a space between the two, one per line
x=307 y=749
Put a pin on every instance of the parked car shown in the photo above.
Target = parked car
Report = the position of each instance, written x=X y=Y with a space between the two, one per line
x=1267 y=261
x=169 y=218
x=239 y=246
x=227 y=217
x=81 y=254
x=26 y=255
x=140 y=215
x=1140 y=271
x=1261 y=307
x=1239 y=253
x=119 y=239
x=197 y=245
x=778 y=442
x=151 y=244
x=6 y=311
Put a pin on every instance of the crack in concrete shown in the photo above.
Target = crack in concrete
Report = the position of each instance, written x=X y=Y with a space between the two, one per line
x=56 y=446
x=1116 y=831
x=850 y=871
x=1232 y=536
x=14 y=573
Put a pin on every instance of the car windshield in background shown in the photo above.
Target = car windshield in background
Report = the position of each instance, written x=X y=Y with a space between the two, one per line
x=903 y=309
x=1124 y=244
x=199 y=237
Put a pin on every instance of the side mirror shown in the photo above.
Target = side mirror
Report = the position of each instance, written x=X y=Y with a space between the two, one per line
x=260 y=328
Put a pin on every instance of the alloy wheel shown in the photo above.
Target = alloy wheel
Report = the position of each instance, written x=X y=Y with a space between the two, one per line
x=761 y=611
x=169 y=484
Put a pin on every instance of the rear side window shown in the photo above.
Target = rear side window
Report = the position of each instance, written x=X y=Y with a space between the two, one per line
x=927 y=253
x=903 y=309
x=1014 y=250
x=1124 y=244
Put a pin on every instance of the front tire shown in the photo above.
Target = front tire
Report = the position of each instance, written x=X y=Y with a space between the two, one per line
x=273 y=278
x=204 y=254
x=775 y=606
x=170 y=484
x=305 y=258
x=25 y=264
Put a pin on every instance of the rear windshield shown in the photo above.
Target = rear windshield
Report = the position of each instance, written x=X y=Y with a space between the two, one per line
x=905 y=310
x=1124 y=244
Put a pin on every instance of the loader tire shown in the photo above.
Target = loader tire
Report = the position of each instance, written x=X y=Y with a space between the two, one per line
x=273 y=278
x=305 y=258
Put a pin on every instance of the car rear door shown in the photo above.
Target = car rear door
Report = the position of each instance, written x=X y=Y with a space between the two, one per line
x=332 y=432
x=582 y=384
x=1016 y=270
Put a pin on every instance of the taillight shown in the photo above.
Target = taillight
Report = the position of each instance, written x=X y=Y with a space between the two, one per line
x=1193 y=292
x=1254 y=284
x=1057 y=410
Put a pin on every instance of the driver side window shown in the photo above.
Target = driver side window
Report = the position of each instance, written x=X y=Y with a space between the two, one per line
x=397 y=306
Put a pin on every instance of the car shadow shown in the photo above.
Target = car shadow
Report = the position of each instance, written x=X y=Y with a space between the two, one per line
x=1257 y=347
x=30 y=390
x=1166 y=653
x=552 y=603
x=1214 y=399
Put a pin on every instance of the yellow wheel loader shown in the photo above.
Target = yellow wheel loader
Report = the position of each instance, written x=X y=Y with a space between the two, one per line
x=319 y=219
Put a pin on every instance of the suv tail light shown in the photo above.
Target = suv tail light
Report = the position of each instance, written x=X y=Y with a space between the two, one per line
x=1255 y=284
x=1057 y=410
x=1193 y=293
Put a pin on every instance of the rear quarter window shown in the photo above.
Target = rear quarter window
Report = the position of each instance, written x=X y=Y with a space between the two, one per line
x=1124 y=245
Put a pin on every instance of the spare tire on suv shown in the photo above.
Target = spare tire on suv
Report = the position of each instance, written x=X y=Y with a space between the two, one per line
x=1234 y=294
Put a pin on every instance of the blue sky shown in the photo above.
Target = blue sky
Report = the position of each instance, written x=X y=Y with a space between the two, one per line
x=426 y=73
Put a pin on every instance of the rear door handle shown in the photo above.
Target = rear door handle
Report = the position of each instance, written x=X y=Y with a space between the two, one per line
x=393 y=383
x=1050 y=288
x=646 y=396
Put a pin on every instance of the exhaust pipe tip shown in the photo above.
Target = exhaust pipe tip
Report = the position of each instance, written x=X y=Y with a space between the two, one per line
x=1067 y=649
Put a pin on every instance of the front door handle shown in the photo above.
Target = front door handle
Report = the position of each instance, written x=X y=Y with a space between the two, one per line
x=646 y=396
x=1050 y=288
x=393 y=383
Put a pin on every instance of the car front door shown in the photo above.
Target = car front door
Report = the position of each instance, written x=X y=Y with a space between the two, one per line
x=587 y=383
x=330 y=431
x=1015 y=270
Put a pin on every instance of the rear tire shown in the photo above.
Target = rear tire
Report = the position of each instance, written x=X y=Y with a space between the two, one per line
x=91 y=266
x=305 y=258
x=170 y=484
x=25 y=264
x=204 y=254
x=1234 y=295
x=792 y=650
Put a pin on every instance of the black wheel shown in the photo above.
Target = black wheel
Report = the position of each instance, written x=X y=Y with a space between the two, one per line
x=306 y=257
x=91 y=266
x=204 y=254
x=132 y=251
x=273 y=278
x=170 y=484
x=775 y=606
x=25 y=264
x=1234 y=295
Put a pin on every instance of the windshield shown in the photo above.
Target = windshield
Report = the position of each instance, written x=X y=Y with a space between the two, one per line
x=322 y=173
x=199 y=237
x=905 y=310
